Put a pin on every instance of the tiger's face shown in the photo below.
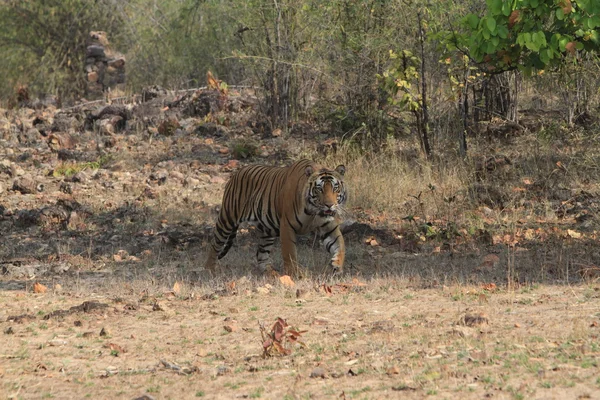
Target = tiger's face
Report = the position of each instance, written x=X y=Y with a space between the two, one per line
x=326 y=191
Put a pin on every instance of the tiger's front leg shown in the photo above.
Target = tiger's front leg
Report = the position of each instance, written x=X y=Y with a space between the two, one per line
x=288 y=250
x=334 y=243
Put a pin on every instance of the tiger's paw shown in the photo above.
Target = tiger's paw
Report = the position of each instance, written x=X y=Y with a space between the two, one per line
x=336 y=269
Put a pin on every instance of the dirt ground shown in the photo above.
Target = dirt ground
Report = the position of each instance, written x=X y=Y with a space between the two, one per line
x=447 y=291
x=365 y=340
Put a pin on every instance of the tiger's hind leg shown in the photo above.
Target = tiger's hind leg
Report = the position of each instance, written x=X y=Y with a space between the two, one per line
x=221 y=243
x=263 y=254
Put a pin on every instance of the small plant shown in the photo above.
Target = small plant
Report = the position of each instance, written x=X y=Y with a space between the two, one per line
x=70 y=169
x=275 y=341
x=244 y=148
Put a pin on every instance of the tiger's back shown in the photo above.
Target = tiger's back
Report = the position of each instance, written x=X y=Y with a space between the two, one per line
x=281 y=201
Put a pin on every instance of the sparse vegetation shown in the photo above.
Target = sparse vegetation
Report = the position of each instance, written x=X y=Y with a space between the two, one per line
x=471 y=225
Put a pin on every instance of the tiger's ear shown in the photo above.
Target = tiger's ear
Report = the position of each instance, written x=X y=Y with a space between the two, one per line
x=309 y=170
x=340 y=169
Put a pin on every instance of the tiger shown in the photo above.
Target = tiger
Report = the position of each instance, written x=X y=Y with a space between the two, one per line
x=282 y=201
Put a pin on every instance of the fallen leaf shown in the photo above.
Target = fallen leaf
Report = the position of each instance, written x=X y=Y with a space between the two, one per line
x=287 y=281
x=231 y=286
x=115 y=348
x=39 y=288
x=574 y=234
x=393 y=370
x=513 y=18
x=177 y=288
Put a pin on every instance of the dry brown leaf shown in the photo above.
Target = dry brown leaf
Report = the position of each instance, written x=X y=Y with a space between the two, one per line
x=211 y=81
x=287 y=281
x=39 y=288
x=231 y=286
x=393 y=370
x=513 y=18
x=177 y=288
x=571 y=48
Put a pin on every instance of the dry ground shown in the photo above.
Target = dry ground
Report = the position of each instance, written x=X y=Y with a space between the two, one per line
x=480 y=278
x=390 y=338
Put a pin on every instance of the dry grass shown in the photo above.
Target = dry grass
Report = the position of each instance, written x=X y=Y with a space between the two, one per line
x=390 y=338
x=396 y=178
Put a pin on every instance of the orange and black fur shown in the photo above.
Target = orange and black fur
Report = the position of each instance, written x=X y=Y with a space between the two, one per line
x=285 y=202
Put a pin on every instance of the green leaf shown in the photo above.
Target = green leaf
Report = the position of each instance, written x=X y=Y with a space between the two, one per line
x=579 y=46
x=562 y=43
x=593 y=22
x=473 y=21
x=544 y=58
x=533 y=3
x=495 y=6
x=491 y=24
x=506 y=8
x=560 y=14
x=502 y=31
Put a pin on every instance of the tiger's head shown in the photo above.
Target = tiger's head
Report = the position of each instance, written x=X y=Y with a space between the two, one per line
x=326 y=192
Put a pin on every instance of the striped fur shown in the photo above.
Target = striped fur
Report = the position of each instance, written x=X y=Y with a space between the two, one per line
x=285 y=202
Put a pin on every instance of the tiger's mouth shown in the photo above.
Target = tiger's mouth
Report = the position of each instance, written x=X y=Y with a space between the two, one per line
x=327 y=213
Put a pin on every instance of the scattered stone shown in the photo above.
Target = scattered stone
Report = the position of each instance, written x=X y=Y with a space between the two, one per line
x=318 y=372
x=66 y=187
x=25 y=185
x=177 y=175
x=262 y=290
x=191 y=182
x=474 y=320
x=104 y=332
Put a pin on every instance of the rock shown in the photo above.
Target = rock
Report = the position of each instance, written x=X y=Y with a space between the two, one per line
x=177 y=175
x=57 y=141
x=80 y=177
x=318 y=372
x=15 y=170
x=159 y=177
x=262 y=290
x=66 y=188
x=25 y=185
x=191 y=182
x=152 y=92
x=92 y=76
x=29 y=136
